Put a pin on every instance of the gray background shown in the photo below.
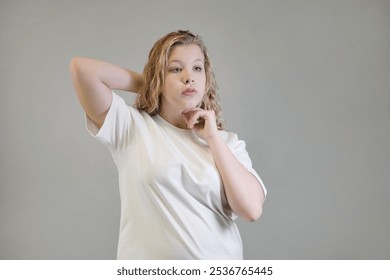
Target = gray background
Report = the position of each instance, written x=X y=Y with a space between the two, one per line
x=305 y=83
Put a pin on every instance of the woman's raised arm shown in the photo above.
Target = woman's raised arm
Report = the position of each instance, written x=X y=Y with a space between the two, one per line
x=93 y=81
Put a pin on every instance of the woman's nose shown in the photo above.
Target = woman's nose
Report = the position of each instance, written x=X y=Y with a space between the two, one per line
x=188 y=81
x=187 y=78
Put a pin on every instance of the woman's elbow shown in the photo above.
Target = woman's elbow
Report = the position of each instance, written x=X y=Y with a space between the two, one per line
x=75 y=65
x=256 y=210
x=254 y=215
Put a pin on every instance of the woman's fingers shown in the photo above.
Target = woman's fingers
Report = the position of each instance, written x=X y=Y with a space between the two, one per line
x=202 y=122
x=191 y=116
x=195 y=116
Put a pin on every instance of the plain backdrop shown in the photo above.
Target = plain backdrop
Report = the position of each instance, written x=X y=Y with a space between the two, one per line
x=305 y=83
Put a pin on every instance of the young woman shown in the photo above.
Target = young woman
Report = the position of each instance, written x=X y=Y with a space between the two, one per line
x=182 y=178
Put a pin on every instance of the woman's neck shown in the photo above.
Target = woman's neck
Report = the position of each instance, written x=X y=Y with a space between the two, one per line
x=174 y=118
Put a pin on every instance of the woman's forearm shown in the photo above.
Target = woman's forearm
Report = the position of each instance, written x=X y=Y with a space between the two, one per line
x=111 y=75
x=243 y=191
x=93 y=81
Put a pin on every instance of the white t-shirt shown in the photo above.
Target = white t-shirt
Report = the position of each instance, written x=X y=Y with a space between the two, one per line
x=173 y=204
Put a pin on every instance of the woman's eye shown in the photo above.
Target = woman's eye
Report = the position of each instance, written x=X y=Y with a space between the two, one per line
x=175 y=70
x=198 y=68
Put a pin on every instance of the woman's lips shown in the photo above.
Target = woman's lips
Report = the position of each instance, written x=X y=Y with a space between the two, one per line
x=189 y=92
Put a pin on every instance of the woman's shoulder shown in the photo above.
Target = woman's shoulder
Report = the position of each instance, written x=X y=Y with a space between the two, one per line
x=119 y=101
x=129 y=115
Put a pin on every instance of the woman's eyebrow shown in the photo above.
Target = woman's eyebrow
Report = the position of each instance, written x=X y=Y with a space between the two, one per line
x=179 y=61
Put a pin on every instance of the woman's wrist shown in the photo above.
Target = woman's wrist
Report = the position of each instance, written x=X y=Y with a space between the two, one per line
x=214 y=140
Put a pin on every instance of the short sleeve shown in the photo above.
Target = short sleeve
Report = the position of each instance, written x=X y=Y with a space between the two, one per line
x=115 y=130
x=238 y=147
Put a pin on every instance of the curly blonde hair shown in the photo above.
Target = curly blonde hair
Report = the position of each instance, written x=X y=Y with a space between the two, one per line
x=149 y=96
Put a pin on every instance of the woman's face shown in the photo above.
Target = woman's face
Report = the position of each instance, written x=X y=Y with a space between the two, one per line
x=185 y=79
